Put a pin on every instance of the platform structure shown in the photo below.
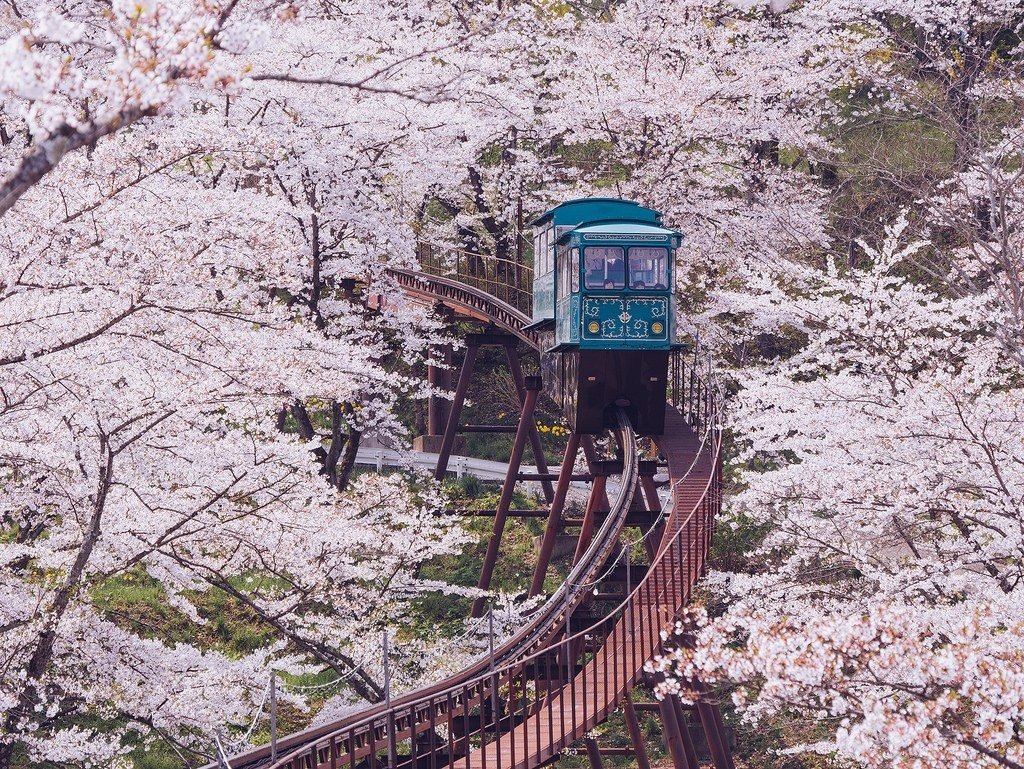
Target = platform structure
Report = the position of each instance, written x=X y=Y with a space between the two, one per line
x=582 y=655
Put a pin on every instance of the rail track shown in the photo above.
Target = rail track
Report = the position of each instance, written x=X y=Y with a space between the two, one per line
x=552 y=683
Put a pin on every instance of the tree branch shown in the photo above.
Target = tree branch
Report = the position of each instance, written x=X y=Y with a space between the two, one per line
x=43 y=157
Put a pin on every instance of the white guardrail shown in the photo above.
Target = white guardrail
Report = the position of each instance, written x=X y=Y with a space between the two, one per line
x=484 y=469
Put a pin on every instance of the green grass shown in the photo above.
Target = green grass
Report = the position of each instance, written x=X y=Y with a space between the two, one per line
x=516 y=558
x=136 y=601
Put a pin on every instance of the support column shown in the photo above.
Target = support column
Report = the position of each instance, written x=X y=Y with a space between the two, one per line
x=516 y=369
x=594 y=502
x=711 y=721
x=593 y=754
x=636 y=735
x=684 y=732
x=547 y=544
x=714 y=733
x=590 y=453
x=533 y=386
x=673 y=736
x=465 y=374
x=650 y=492
x=439 y=378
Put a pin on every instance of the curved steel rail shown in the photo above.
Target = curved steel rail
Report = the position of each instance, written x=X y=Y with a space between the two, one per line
x=631 y=634
x=526 y=643
x=538 y=695
x=524 y=710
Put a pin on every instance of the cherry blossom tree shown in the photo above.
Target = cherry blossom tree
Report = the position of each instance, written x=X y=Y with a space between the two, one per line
x=894 y=542
x=195 y=195
x=881 y=449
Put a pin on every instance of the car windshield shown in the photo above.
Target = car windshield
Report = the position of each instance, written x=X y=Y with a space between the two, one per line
x=605 y=267
x=648 y=268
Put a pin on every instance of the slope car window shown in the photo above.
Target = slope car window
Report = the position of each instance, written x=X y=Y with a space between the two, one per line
x=564 y=271
x=606 y=267
x=647 y=268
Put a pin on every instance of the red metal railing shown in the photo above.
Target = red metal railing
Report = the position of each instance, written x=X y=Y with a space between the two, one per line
x=504 y=279
x=547 y=686
x=689 y=390
x=523 y=712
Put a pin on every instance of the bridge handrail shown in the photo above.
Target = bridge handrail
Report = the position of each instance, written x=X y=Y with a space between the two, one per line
x=700 y=405
x=674 y=552
x=476 y=302
x=529 y=637
x=509 y=280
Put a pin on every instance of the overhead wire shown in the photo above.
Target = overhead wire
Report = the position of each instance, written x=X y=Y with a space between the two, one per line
x=252 y=727
x=235 y=744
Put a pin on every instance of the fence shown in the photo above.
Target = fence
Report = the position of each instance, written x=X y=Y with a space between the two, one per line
x=504 y=279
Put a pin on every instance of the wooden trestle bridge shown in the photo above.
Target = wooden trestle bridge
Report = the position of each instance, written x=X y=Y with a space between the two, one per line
x=572 y=665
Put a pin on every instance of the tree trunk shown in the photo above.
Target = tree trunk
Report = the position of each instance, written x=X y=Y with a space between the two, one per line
x=43 y=652
x=348 y=460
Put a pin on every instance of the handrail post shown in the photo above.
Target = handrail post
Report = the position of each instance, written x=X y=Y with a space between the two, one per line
x=495 y=713
x=390 y=720
x=273 y=715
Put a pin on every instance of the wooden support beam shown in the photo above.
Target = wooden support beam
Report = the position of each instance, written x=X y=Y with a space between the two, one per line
x=636 y=735
x=488 y=428
x=684 y=732
x=593 y=753
x=647 y=468
x=439 y=377
x=547 y=544
x=590 y=453
x=650 y=492
x=501 y=514
x=516 y=369
x=714 y=733
x=605 y=467
x=673 y=736
x=597 y=497
x=465 y=374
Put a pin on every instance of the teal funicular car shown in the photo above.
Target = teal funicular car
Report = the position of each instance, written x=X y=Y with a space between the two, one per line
x=603 y=275
x=604 y=307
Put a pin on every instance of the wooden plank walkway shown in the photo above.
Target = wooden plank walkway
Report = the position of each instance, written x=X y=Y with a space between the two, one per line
x=600 y=686
x=540 y=716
